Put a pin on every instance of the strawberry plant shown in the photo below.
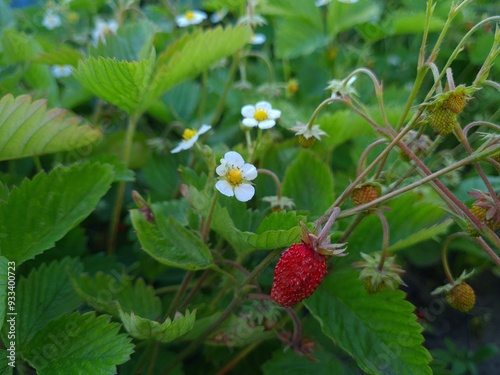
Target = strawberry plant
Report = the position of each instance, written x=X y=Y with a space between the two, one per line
x=223 y=186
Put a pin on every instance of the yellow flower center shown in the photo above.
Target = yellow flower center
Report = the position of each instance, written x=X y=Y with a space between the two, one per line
x=234 y=177
x=188 y=134
x=189 y=15
x=260 y=115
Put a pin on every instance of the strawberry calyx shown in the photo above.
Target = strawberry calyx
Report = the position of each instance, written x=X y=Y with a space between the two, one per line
x=321 y=242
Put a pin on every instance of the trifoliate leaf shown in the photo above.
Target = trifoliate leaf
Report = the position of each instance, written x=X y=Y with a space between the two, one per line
x=122 y=83
x=43 y=296
x=78 y=344
x=309 y=182
x=27 y=128
x=41 y=211
x=145 y=329
x=106 y=292
x=378 y=330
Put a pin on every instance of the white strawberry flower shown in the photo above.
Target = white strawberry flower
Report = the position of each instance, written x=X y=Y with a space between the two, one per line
x=103 y=28
x=191 y=17
x=60 y=71
x=262 y=115
x=51 y=20
x=190 y=136
x=235 y=176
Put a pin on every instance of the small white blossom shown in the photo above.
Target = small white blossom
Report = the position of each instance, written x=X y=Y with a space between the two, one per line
x=59 y=71
x=103 y=28
x=191 y=17
x=341 y=89
x=257 y=39
x=51 y=20
x=262 y=115
x=235 y=176
x=348 y=1
x=190 y=136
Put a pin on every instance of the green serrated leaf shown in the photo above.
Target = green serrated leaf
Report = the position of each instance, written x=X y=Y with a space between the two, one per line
x=106 y=292
x=122 y=83
x=272 y=239
x=41 y=211
x=27 y=129
x=422 y=235
x=7 y=271
x=62 y=55
x=132 y=42
x=194 y=53
x=343 y=17
x=309 y=182
x=170 y=243
x=43 y=296
x=169 y=330
x=78 y=344
x=425 y=216
x=378 y=330
x=282 y=220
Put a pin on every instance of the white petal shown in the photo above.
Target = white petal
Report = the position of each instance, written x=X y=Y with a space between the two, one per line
x=257 y=39
x=179 y=147
x=267 y=124
x=190 y=142
x=244 y=192
x=351 y=80
x=274 y=114
x=249 y=172
x=203 y=129
x=266 y=106
x=225 y=188
x=181 y=21
x=250 y=122
x=221 y=170
x=234 y=159
x=198 y=14
x=248 y=111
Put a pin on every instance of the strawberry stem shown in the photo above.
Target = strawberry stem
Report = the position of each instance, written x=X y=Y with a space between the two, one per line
x=275 y=179
x=324 y=232
x=444 y=258
x=385 y=238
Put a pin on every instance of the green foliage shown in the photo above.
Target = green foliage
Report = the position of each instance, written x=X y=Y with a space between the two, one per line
x=27 y=129
x=379 y=330
x=170 y=243
x=62 y=346
x=122 y=83
x=145 y=329
x=4 y=290
x=309 y=182
x=108 y=294
x=43 y=296
x=41 y=211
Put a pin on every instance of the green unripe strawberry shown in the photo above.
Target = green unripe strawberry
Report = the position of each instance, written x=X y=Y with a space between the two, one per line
x=372 y=286
x=365 y=193
x=306 y=142
x=442 y=120
x=456 y=101
x=485 y=210
x=461 y=297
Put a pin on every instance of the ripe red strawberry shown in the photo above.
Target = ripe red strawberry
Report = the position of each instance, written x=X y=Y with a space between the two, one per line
x=298 y=273
x=302 y=267
x=461 y=297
